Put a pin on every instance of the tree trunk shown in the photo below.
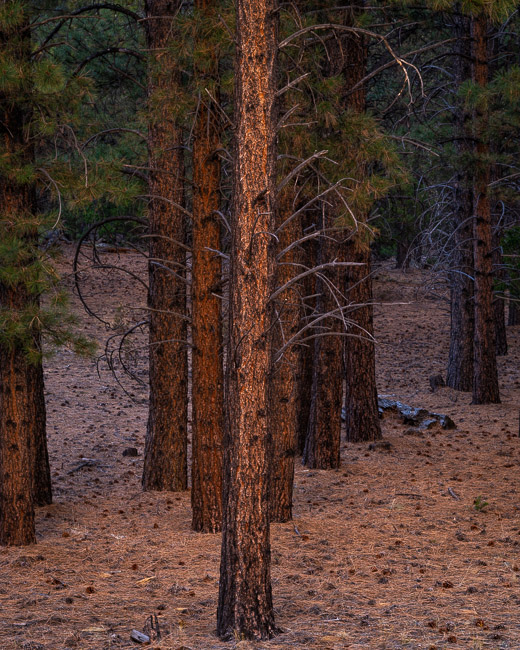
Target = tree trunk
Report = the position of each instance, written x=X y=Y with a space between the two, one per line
x=165 y=462
x=322 y=446
x=17 y=411
x=42 y=473
x=499 y=299
x=361 y=408
x=284 y=379
x=485 y=374
x=306 y=365
x=462 y=321
x=24 y=465
x=514 y=310
x=245 y=608
x=208 y=380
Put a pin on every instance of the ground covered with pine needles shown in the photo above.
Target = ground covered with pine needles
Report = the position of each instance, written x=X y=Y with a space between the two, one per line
x=414 y=544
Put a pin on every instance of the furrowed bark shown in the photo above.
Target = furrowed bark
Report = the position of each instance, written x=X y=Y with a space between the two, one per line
x=284 y=379
x=165 y=462
x=361 y=408
x=208 y=380
x=485 y=373
x=245 y=608
x=24 y=465
x=322 y=446
x=462 y=317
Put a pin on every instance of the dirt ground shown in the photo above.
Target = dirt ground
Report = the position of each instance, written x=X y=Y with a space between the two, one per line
x=391 y=551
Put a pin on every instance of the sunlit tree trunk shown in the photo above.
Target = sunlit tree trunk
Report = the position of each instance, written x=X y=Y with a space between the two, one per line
x=165 y=462
x=245 y=608
x=208 y=381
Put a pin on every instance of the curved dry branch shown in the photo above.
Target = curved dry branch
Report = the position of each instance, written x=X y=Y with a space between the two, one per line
x=76 y=272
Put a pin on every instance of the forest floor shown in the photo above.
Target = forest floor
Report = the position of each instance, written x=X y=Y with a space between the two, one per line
x=391 y=551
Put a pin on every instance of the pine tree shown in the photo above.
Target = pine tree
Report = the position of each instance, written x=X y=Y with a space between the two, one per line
x=208 y=380
x=165 y=463
x=245 y=608
x=462 y=321
x=485 y=373
x=361 y=407
x=32 y=95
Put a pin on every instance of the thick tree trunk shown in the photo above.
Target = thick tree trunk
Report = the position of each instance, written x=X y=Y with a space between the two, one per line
x=17 y=412
x=485 y=374
x=361 y=408
x=322 y=446
x=208 y=380
x=245 y=608
x=462 y=324
x=24 y=465
x=284 y=378
x=165 y=462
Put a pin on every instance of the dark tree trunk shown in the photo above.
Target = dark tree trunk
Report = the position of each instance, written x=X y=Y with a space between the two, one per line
x=305 y=392
x=361 y=408
x=284 y=380
x=165 y=462
x=402 y=257
x=245 y=608
x=485 y=374
x=462 y=322
x=499 y=312
x=306 y=365
x=42 y=472
x=499 y=301
x=514 y=310
x=322 y=446
x=208 y=380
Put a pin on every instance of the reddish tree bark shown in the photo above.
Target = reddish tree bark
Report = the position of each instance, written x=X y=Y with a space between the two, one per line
x=208 y=380
x=24 y=464
x=245 y=608
x=165 y=462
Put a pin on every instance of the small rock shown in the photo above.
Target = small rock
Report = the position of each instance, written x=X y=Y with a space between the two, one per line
x=130 y=451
